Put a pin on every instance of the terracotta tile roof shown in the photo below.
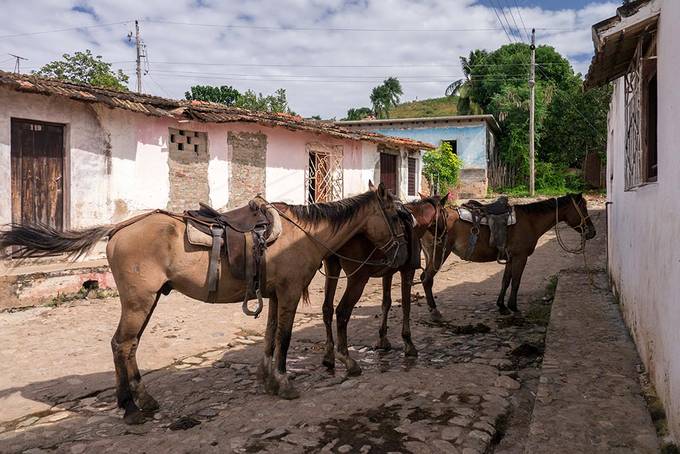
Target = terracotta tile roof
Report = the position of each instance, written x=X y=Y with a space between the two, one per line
x=192 y=110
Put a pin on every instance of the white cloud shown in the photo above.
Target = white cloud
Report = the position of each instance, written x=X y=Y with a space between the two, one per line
x=428 y=60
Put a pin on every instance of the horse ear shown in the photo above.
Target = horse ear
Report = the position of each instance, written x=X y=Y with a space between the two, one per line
x=382 y=192
x=371 y=186
x=444 y=199
x=422 y=197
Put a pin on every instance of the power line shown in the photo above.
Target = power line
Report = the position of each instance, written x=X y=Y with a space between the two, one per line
x=502 y=2
x=493 y=6
x=82 y=27
x=519 y=13
x=337 y=29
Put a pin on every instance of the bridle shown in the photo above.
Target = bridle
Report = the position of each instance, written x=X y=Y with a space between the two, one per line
x=390 y=249
x=439 y=238
x=581 y=228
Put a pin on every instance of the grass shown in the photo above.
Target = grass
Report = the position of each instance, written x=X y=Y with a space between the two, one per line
x=523 y=191
x=83 y=293
x=434 y=107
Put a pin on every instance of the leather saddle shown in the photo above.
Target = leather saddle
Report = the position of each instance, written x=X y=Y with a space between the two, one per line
x=497 y=214
x=241 y=236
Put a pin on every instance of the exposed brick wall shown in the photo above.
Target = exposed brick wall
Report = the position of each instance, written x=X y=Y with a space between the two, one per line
x=473 y=183
x=188 y=162
x=248 y=161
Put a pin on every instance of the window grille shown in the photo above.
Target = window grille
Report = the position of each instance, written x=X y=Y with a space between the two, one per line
x=324 y=176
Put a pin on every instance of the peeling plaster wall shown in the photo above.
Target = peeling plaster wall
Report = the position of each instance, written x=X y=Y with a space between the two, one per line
x=644 y=229
x=86 y=153
x=119 y=159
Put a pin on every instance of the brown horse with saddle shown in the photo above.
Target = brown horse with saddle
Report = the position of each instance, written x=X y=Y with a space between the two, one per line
x=500 y=232
x=270 y=250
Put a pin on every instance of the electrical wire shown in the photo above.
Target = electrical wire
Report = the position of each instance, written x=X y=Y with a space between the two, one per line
x=63 y=29
x=519 y=13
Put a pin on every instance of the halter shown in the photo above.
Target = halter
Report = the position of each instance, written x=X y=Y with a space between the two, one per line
x=581 y=227
x=391 y=244
x=439 y=238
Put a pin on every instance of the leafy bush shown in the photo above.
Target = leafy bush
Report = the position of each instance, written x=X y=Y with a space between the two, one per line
x=442 y=167
x=549 y=176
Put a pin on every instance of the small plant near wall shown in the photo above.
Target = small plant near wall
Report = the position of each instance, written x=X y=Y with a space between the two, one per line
x=442 y=168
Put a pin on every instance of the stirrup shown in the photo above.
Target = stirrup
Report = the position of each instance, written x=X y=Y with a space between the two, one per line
x=258 y=308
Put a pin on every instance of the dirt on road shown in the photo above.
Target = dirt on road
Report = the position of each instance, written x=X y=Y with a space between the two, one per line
x=470 y=390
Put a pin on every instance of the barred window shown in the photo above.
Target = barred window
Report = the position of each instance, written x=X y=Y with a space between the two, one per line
x=641 y=114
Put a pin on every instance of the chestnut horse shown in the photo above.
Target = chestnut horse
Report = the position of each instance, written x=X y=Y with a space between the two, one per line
x=533 y=220
x=428 y=213
x=151 y=256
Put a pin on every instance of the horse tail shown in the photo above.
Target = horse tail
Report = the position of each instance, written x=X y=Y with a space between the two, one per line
x=39 y=240
x=305 y=297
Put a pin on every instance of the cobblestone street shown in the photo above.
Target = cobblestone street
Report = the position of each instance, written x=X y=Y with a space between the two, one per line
x=470 y=390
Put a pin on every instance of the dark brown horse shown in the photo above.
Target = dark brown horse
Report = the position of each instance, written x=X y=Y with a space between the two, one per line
x=533 y=220
x=151 y=256
x=428 y=213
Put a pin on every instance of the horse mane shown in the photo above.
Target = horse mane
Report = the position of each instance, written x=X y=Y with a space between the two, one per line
x=337 y=213
x=548 y=205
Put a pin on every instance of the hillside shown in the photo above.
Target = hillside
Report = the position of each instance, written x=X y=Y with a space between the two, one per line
x=434 y=107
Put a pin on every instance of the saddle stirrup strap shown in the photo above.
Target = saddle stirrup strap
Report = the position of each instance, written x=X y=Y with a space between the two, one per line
x=214 y=265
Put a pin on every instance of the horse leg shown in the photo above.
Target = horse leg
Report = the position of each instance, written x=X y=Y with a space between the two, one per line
x=500 y=302
x=406 y=284
x=383 y=342
x=265 y=372
x=518 y=264
x=427 y=279
x=136 y=311
x=355 y=287
x=287 y=306
x=332 y=272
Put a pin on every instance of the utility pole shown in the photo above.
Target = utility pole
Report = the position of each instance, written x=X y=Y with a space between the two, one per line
x=17 y=63
x=532 y=108
x=138 y=45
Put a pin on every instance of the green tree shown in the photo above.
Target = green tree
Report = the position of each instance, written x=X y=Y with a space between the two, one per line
x=270 y=103
x=85 y=68
x=441 y=167
x=568 y=121
x=224 y=94
x=358 y=113
x=386 y=96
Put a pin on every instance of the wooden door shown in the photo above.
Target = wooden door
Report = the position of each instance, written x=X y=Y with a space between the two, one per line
x=388 y=171
x=37 y=156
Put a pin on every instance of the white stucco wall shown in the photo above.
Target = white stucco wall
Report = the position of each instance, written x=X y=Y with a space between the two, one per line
x=118 y=160
x=644 y=229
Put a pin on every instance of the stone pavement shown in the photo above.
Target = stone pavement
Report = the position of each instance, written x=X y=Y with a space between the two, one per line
x=469 y=391
x=589 y=398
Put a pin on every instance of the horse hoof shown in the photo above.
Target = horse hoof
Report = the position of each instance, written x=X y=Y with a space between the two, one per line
x=513 y=308
x=354 y=370
x=289 y=393
x=503 y=310
x=383 y=344
x=436 y=316
x=329 y=363
x=148 y=403
x=271 y=386
x=410 y=350
x=134 y=418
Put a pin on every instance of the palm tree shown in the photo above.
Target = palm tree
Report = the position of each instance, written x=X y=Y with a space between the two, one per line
x=386 y=96
x=463 y=87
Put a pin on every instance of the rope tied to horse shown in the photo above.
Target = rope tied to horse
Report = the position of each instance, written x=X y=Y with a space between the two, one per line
x=581 y=249
x=389 y=245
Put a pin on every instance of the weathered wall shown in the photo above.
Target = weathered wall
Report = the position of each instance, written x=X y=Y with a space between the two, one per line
x=188 y=161
x=471 y=140
x=248 y=158
x=473 y=144
x=644 y=228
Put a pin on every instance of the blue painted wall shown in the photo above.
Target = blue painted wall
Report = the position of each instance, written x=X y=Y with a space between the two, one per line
x=471 y=140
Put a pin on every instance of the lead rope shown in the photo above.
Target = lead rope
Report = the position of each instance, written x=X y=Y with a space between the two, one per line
x=582 y=248
x=320 y=243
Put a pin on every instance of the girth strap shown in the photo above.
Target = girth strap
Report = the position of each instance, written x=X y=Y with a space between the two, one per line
x=214 y=267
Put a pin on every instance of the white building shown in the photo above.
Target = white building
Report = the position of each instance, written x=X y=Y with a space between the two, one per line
x=638 y=51
x=74 y=156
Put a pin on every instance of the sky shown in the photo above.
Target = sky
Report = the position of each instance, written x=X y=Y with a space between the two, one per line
x=328 y=55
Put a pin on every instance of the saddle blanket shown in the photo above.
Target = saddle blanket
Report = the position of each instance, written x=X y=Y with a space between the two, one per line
x=466 y=215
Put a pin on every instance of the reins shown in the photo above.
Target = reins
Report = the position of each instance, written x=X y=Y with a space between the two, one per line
x=582 y=247
x=388 y=246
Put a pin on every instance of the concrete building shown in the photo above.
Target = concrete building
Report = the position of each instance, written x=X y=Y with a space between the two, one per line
x=472 y=137
x=75 y=156
x=638 y=52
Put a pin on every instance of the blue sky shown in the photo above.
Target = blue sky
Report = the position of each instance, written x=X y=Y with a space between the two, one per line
x=327 y=54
